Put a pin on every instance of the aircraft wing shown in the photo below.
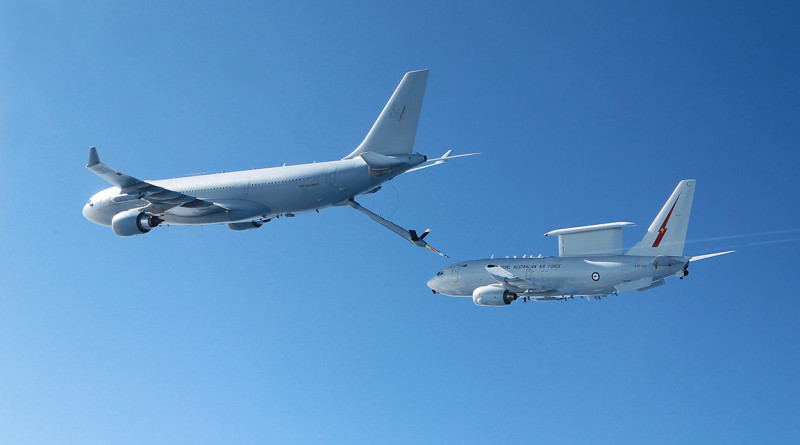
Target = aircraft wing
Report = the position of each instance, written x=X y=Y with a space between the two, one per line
x=161 y=200
x=515 y=283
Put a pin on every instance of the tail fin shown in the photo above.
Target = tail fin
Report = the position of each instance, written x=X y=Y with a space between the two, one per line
x=396 y=127
x=667 y=233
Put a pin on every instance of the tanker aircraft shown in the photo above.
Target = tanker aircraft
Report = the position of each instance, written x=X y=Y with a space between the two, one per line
x=247 y=199
x=591 y=262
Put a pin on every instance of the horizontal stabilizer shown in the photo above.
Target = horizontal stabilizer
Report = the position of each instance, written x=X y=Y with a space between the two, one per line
x=439 y=161
x=709 y=255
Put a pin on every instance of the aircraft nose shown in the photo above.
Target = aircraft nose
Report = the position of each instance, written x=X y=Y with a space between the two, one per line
x=94 y=214
x=433 y=283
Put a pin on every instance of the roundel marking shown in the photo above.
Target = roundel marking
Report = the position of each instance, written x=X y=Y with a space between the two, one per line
x=595 y=276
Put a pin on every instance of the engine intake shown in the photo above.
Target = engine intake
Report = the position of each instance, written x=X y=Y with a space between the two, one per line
x=133 y=222
x=493 y=295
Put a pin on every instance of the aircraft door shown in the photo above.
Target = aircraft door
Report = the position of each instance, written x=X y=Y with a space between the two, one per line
x=454 y=274
x=245 y=185
x=330 y=178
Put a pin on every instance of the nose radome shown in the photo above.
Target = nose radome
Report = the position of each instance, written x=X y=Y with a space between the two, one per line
x=95 y=215
x=432 y=284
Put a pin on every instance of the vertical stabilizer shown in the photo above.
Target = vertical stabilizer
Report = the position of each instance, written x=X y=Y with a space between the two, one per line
x=667 y=233
x=396 y=127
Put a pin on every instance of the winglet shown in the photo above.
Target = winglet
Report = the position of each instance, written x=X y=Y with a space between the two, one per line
x=94 y=159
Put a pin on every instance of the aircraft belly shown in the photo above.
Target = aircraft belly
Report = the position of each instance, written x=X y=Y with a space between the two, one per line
x=278 y=198
x=220 y=217
x=282 y=201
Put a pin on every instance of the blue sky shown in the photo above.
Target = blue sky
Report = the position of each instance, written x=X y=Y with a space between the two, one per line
x=320 y=328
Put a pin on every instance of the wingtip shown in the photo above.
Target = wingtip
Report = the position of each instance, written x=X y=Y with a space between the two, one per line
x=94 y=159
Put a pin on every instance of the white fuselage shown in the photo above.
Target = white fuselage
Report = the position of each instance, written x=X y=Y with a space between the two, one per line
x=570 y=276
x=257 y=194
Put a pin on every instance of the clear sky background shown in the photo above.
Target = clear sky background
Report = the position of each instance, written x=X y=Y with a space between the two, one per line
x=320 y=329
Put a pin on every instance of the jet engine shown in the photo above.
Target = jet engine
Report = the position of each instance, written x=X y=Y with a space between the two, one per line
x=133 y=222
x=492 y=295
x=238 y=227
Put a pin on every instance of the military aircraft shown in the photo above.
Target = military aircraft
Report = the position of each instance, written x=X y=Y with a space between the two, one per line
x=590 y=262
x=247 y=199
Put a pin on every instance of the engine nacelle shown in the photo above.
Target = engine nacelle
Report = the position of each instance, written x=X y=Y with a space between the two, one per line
x=238 y=227
x=493 y=295
x=133 y=222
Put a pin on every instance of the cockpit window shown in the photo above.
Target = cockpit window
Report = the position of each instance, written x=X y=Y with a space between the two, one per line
x=441 y=272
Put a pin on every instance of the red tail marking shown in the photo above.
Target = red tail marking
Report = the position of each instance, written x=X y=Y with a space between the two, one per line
x=663 y=228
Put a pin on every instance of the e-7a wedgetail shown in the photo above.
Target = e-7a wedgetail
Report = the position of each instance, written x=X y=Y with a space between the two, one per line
x=590 y=262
